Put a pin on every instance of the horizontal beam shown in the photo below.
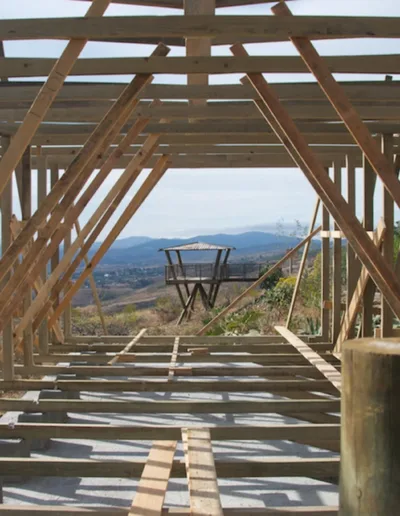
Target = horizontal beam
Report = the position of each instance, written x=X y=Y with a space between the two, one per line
x=323 y=469
x=169 y=407
x=228 y=111
x=18 y=67
x=187 y=358
x=164 y=433
x=63 y=510
x=206 y=127
x=217 y=161
x=98 y=371
x=374 y=91
x=164 y=386
x=221 y=29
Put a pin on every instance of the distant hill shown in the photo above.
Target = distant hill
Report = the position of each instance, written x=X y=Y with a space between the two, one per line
x=130 y=251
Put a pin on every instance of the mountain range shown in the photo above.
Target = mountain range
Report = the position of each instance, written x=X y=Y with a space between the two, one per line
x=144 y=251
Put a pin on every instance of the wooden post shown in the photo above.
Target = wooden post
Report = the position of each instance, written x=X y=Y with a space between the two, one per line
x=198 y=46
x=302 y=265
x=26 y=211
x=6 y=213
x=387 y=247
x=368 y=215
x=336 y=263
x=178 y=288
x=67 y=316
x=370 y=454
x=41 y=196
x=55 y=259
x=352 y=264
x=325 y=273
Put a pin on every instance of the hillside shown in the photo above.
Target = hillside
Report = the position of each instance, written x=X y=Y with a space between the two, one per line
x=144 y=251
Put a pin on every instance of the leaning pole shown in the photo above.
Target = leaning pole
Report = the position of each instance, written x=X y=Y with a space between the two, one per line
x=370 y=431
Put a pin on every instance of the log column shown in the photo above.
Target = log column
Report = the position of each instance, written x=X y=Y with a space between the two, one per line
x=370 y=449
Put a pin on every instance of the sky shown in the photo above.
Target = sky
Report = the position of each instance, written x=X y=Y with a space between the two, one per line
x=191 y=202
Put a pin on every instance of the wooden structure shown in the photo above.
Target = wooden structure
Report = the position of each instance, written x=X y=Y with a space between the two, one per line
x=195 y=278
x=325 y=128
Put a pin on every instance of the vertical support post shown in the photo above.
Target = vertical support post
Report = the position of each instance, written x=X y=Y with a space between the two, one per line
x=6 y=213
x=25 y=172
x=387 y=248
x=352 y=264
x=370 y=451
x=55 y=259
x=337 y=263
x=68 y=309
x=41 y=196
x=325 y=273
x=368 y=215
x=198 y=46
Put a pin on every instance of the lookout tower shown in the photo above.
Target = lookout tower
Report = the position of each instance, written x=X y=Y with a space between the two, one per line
x=204 y=277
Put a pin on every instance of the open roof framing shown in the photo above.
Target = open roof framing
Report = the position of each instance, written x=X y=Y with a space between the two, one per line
x=325 y=128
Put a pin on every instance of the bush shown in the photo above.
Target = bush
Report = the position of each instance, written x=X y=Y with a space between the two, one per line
x=310 y=287
x=272 y=279
x=237 y=323
x=167 y=308
x=281 y=295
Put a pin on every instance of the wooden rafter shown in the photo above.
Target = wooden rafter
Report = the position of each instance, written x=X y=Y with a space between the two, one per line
x=297 y=147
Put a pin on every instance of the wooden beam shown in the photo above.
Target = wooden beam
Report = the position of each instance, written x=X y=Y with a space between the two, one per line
x=296 y=145
x=326 y=469
x=351 y=314
x=170 y=407
x=379 y=162
x=42 y=186
x=336 y=262
x=13 y=94
x=153 y=484
x=330 y=372
x=257 y=283
x=174 y=357
x=225 y=28
x=128 y=347
x=388 y=242
x=200 y=471
x=16 y=67
x=56 y=77
x=6 y=213
x=165 y=386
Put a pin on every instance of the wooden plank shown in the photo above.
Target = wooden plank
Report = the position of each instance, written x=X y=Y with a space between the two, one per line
x=373 y=91
x=257 y=283
x=228 y=28
x=330 y=372
x=42 y=185
x=165 y=386
x=201 y=474
x=127 y=348
x=297 y=406
x=351 y=314
x=296 y=145
x=322 y=469
x=16 y=67
x=379 y=162
x=57 y=74
x=153 y=484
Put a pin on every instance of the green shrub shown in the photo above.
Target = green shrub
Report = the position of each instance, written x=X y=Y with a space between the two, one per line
x=281 y=295
x=271 y=280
